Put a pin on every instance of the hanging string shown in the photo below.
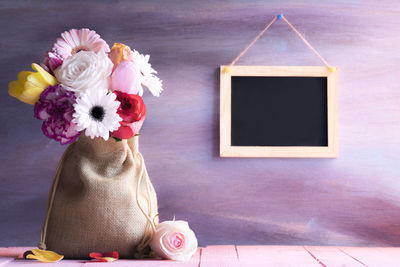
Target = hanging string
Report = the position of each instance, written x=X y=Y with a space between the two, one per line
x=306 y=42
x=251 y=44
x=279 y=17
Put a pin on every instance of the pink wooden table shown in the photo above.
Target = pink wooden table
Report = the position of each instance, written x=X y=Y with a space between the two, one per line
x=257 y=256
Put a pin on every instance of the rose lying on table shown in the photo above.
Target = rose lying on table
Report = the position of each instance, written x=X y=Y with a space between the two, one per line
x=174 y=240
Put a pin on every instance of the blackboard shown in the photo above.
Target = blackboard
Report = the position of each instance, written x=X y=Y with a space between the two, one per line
x=279 y=111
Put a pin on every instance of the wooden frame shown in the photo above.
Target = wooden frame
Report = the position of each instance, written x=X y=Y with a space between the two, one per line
x=227 y=150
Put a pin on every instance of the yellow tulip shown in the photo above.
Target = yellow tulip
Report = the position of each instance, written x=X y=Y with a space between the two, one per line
x=119 y=52
x=31 y=84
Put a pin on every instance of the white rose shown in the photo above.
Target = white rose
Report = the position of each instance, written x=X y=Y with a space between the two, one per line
x=84 y=70
x=174 y=240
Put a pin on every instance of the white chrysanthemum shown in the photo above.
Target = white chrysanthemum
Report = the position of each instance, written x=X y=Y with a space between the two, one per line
x=96 y=113
x=149 y=79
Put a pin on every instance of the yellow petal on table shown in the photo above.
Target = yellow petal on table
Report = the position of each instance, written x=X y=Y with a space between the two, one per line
x=109 y=259
x=44 y=255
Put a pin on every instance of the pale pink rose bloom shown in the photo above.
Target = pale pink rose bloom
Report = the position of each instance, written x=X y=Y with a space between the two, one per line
x=174 y=240
x=126 y=78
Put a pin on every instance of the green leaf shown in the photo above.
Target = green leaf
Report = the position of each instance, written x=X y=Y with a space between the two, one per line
x=154 y=219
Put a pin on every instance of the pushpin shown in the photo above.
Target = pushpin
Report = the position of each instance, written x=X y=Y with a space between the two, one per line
x=332 y=69
x=279 y=16
x=226 y=69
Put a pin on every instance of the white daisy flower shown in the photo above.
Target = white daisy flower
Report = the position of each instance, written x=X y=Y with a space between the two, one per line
x=96 y=113
x=149 y=79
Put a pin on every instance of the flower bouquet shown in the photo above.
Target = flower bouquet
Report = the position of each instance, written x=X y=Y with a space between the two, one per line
x=101 y=198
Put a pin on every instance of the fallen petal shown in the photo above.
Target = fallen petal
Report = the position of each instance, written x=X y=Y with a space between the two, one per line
x=104 y=257
x=44 y=255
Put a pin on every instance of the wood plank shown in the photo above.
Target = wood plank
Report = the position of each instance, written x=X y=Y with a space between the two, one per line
x=12 y=256
x=245 y=256
x=221 y=256
x=66 y=263
x=332 y=257
x=8 y=257
x=13 y=251
x=9 y=254
x=282 y=256
x=193 y=262
x=4 y=261
x=373 y=256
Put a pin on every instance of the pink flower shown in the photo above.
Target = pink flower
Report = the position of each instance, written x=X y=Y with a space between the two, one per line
x=174 y=240
x=73 y=41
x=70 y=43
x=126 y=78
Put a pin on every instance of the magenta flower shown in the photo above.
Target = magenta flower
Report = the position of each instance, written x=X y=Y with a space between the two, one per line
x=55 y=108
x=51 y=62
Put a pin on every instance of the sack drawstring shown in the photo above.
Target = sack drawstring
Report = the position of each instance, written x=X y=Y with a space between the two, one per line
x=134 y=145
x=146 y=239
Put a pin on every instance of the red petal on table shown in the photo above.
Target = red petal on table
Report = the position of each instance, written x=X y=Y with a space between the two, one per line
x=104 y=257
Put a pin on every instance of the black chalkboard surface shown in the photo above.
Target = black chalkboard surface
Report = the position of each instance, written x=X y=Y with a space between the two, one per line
x=279 y=111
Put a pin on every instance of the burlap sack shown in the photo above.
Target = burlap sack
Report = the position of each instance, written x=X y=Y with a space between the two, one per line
x=93 y=201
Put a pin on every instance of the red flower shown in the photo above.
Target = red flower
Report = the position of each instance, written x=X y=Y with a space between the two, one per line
x=132 y=111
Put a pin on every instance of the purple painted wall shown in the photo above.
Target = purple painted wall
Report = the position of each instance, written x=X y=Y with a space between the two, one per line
x=351 y=200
